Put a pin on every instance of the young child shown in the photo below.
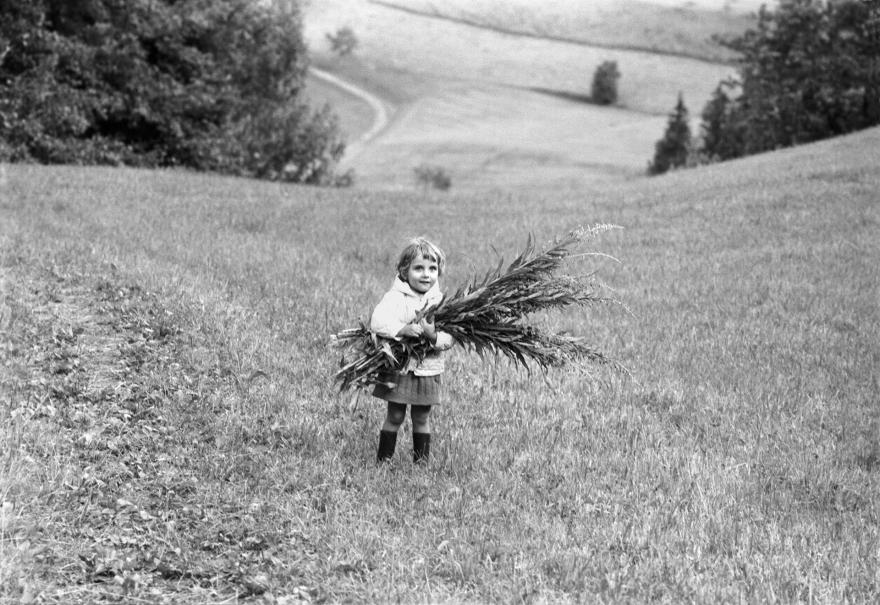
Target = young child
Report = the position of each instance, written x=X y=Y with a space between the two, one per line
x=416 y=287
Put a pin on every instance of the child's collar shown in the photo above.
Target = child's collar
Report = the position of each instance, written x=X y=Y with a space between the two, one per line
x=405 y=288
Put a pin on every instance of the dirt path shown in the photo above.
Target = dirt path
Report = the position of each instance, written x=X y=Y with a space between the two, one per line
x=380 y=112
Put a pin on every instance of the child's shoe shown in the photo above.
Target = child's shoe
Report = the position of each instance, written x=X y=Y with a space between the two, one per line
x=421 y=447
x=387 y=443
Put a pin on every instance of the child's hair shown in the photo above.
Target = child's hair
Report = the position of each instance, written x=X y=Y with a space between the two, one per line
x=420 y=246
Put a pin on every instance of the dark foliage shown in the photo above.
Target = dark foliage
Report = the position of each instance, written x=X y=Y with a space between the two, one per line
x=604 y=87
x=808 y=71
x=205 y=85
x=429 y=175
x=721 y=137
x=343 y=42
x=672 y=150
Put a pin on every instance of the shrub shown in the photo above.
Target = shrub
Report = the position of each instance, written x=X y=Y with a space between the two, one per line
x=428 y=175
x=344 y=179
x=343 y=42
x=673 y=150
x=604 y=88
x=208 y=86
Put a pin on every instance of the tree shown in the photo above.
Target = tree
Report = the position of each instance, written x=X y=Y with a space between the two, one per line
x=604 y=88
x=162 y=83
x=343 y=42
x=807 y=71
x=672 y=150
x=721 y=138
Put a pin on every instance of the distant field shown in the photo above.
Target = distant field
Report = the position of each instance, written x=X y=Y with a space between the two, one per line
x=496 y=138
x=463 y=97
x=682 y=28
x=169 y=431
x=442 y=50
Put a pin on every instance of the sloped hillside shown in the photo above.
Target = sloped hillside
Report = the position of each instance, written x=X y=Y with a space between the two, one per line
x=673 y=27
x=467 y=98
x=169 y=430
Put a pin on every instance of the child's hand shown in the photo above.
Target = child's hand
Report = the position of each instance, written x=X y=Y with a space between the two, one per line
x=414 y=330
x=428 y=330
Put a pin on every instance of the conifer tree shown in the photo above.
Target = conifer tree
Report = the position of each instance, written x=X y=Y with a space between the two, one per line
x=721 y=137
x=672 y=150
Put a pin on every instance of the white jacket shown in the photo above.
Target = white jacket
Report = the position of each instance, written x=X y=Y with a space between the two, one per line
x=399 y=307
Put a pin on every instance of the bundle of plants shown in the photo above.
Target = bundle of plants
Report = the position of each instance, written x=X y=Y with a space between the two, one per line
x=489 y=315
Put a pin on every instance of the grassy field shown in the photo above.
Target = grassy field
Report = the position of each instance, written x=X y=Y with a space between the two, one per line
x=501 y=139
x=665 y=27
x=439 y=49
x=170 y=432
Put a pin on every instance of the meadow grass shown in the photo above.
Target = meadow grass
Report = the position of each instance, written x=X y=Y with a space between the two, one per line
x=686 y=30
x=401 y=50
x=171 y=433
x=489 y=107
x=546 y=142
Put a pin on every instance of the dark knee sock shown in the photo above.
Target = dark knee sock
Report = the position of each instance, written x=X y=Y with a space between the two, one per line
x=387 y=443
x=421 y=446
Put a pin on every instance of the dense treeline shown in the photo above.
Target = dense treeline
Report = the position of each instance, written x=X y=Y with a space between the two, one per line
x=807 y=71
x=205 y=84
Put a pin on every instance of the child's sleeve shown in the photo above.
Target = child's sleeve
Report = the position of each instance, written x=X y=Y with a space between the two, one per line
x=444 y=341
x=385 y=320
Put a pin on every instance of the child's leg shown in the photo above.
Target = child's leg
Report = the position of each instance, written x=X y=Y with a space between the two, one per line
x=420 y=415
x=394 y=417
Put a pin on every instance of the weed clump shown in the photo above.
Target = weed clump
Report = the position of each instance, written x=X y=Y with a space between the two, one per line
x=430 y=176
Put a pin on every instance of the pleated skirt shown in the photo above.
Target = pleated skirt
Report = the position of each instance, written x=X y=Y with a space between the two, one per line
x=410 y=389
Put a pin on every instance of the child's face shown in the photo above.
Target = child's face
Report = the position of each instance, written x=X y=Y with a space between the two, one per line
x=422 y=274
